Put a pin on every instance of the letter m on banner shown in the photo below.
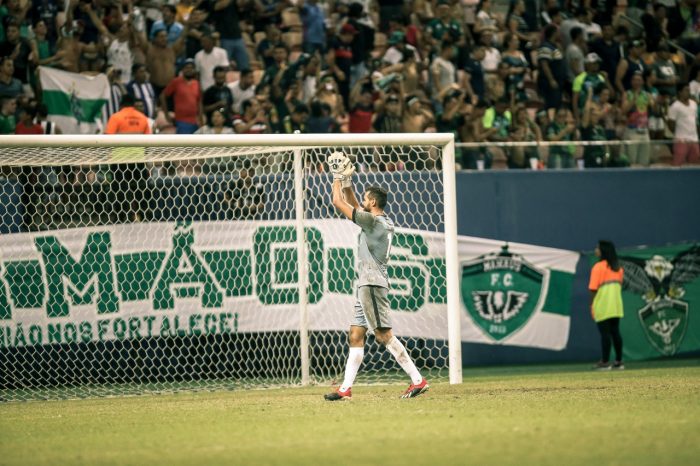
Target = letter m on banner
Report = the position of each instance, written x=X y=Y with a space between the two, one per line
x=78 y=281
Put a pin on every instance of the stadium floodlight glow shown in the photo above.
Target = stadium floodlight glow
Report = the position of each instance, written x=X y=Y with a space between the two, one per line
x=137 y=263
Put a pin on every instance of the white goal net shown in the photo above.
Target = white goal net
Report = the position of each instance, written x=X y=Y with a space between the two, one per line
x=157 y=264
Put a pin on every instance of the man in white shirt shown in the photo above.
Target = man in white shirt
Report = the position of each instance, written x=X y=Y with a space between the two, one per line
x=683 y=121
x=207 y=59
x=242 y=90
x=399 y=50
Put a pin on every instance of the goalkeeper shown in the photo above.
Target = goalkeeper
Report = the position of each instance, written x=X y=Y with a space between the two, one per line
x=372 y=306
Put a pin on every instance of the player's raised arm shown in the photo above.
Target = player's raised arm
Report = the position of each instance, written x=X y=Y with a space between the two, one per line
x=343 y=196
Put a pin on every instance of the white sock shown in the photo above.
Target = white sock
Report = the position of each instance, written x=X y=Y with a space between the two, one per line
x=352 y=366
x=399 y=351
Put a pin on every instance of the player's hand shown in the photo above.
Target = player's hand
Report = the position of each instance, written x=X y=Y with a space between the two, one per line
x=337 y=163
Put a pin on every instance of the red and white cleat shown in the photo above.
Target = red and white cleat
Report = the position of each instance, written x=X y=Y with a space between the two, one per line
x=415 y=390
x=338 y=395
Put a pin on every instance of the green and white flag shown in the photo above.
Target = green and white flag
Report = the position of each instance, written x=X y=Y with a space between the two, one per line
x=75 y=102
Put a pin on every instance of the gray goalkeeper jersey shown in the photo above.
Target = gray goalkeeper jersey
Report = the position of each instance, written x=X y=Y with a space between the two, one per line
x=373 y=248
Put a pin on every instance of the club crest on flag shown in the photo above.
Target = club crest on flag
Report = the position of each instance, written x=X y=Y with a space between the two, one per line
x=502 y=291
x=660 y=281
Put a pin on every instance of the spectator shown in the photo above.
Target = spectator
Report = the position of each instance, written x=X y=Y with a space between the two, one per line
x=128 y=120
x=26 y=124
x=280 y=54
x=561 y=129
x=361 y=107
x=592 y=130
x=655 y=26
x=362 y=42
x=266 y=46
x=574 y=55
x=474 y=131
x=591 y=80
x=390 y=117
x=339 y=59
x=42 y=48
x=247 y=198
x=399 y=51
x=682 y=121
x=629 y=66
x=227 y=22
x=524 y=130
x=267 y=12
x=141 y=89
x=608 y=49
x=253 y=120
x=9 y=85
x=517 y=26
x=314 y=21
x=216 y=124
x=492 y=57
x=187 y=98
x=18 y=49
x=664 y=73
x=443 y=27
x=116 y=92
x=173 y=29
x=417 y=118
x=8 y=107
x=119 y=45
x=69 y=47
x=160 y=59
x=209 y=58
x=636 y=105
x=218 y=96
x=443 y=71
x=474 y=75
x=485 y=19
x=496 y=84
x=517 y=68
x=551 y=69
x=452 y=116
x=296 y=120
x=569 y=24
x=196 y=28
x=497 y=121
x=320 y=120
x=242 y=89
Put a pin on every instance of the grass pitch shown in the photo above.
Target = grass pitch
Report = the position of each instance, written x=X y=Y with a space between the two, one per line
x=546 y=415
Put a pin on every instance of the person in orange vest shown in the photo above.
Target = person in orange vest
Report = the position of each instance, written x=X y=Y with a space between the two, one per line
x=128 y=120
x=605 y=286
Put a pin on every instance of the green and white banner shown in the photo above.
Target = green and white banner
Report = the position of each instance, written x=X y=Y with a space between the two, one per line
x=75 y=102
x=167 y=279
x=661 y=293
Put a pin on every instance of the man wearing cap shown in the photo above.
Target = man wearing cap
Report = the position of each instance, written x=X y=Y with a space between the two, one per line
x=187 y=97
x=591 y=80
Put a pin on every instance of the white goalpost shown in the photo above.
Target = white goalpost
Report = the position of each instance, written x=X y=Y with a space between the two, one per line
x=132 y=264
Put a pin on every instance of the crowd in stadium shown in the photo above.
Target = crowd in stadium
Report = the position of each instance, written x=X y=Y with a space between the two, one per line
x=489 y=70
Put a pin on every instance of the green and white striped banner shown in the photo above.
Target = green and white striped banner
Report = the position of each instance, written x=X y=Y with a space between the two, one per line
x=75 y=102
x=160 y=279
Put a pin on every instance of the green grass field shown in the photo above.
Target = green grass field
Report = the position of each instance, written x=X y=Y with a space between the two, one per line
x=558 y=415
